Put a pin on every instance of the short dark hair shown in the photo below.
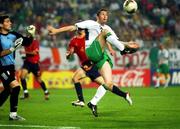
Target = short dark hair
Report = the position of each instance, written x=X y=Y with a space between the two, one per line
x=100 y=10
x=2 y=17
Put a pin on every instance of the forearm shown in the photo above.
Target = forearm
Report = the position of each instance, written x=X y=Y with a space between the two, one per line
x=69 y=53
x=30 y=53
x=5 y=52
x=66 y=28
x=109 y=47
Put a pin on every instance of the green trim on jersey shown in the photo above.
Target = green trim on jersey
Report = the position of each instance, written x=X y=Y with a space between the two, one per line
x=95 y=54
x=107 y=35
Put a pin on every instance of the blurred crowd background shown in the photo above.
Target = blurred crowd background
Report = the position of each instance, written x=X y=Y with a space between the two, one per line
x=156 y=21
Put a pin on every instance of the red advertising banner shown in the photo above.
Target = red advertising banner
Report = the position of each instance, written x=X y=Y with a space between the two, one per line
x=130 y=78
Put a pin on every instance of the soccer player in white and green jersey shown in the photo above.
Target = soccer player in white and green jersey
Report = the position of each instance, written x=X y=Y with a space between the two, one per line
x=98 y=34
x=163 y=66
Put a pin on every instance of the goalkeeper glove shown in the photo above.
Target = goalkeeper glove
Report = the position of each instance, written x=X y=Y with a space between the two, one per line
x=31 y=30
x=17 y=43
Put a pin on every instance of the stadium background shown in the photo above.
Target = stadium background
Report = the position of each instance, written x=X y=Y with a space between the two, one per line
x=155 y=22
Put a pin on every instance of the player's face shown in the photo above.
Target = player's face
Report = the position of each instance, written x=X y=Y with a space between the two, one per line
x=7 y=24
x=102 y=17
x=161 y=46
x=81 y=33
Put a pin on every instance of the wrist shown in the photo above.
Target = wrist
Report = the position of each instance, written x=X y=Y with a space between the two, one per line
x=12 y=49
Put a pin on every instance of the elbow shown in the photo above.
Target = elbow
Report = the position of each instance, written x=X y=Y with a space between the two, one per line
x=1 y=54
x=72 y=28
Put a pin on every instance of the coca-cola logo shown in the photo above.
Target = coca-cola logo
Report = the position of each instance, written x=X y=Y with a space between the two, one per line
x=130 y=78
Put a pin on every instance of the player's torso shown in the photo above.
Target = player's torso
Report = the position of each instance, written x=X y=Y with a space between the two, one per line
x=6 y=42
x=79 y=48
x=94 y=31
x=33 y=46
x=163 y=55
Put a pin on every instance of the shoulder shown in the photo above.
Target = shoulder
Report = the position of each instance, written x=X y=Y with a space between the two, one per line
x=72 y=40
x=16 y=34
x=10 y=35
x=91 y=21
x=35 y=43
x=107 y=27
x=88 y=22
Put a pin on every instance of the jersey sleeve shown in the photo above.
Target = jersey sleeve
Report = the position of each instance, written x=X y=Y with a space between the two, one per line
x=26 y=40
x=71 y=44
x=85 y=24
x=111 y=31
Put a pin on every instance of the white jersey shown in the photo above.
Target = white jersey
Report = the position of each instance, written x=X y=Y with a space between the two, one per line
x=163 y=56
x=93 y=29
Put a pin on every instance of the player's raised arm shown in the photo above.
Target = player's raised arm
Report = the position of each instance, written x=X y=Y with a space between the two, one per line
x=53 y=31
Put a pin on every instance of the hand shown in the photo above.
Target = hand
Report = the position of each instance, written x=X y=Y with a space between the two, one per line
x=18 y=42
x=31 y=30
x=133 y=44
x=52 y=30
x=112 y=52
x=68 y=54
x=130 y=47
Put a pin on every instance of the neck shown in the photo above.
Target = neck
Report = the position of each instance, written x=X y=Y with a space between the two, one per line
x=80 y=36
x=4 y=31
x=100 y=23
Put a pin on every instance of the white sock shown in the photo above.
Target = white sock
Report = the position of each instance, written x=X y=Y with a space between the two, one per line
x=114 y=41
x=167 y=81
x=13 y=114
x=99 y=94
x=25 y=91
x=157 y=82
x=46 y=91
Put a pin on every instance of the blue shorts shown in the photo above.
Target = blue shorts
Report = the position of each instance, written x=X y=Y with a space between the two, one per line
x=93 y=73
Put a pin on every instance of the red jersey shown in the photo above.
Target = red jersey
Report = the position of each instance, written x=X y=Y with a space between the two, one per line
x=33 y=46
x=79 y=48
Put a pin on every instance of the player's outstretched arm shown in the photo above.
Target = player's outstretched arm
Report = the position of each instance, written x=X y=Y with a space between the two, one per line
x=53 y=31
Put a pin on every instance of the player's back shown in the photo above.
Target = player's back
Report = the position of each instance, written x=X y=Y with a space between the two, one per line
x=79 y=47
x=34 y=46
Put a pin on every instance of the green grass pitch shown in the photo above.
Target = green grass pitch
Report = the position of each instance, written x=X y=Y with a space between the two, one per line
x=152 y=109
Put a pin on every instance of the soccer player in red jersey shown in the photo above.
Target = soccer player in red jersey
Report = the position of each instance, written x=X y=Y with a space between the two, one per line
x=31 y=64
x=88 y=69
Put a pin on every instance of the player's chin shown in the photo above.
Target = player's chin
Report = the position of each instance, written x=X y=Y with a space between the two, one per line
x=104 y=21
x=8 y=28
